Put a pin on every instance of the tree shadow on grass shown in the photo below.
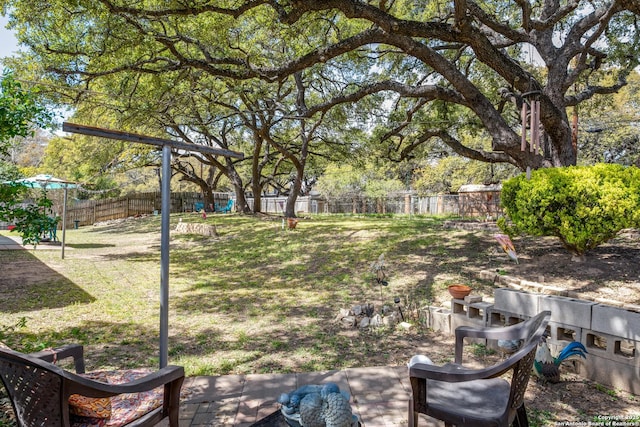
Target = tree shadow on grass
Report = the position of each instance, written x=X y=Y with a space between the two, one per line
x=113 y=345
x=89 y=245
x=134 y=256
x=27 y=284
x=130 y=225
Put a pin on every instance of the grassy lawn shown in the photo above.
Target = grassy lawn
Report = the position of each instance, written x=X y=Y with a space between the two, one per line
x=256 y=299
x=260 y=299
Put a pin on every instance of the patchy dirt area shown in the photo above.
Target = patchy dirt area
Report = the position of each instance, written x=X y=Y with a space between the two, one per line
x=609 y=274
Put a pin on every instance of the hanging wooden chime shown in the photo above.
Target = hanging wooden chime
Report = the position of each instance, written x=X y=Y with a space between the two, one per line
x=530 y=116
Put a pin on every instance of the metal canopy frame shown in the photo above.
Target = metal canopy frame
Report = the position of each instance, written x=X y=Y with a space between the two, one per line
x=47 y=182
x=166 y=145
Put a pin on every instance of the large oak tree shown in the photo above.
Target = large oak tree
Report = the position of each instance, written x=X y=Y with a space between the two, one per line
x=444 y=67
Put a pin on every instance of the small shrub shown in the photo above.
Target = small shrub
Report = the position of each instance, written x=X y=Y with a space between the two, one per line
x=584 y=206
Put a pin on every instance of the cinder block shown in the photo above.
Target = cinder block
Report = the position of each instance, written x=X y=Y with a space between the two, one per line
x=568 y=311
x=440 y=319
x=459 y=319
x=514 y=301
x=498 y=318
x=479 y=311
x=562 y=334
x=612 y=347
x=616 y=321
x=618 y=375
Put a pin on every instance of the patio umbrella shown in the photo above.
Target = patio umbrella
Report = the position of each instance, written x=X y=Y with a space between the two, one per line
x=49 y=182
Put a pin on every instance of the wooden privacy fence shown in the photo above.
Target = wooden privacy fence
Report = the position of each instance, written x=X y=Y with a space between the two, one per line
x=88 y=212
x=466 y=205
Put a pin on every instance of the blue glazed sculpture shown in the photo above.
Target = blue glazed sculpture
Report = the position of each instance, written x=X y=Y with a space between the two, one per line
x=318 y=406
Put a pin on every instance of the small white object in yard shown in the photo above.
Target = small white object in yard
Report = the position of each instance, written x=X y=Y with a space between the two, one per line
x=420 y=358
x=405 y=325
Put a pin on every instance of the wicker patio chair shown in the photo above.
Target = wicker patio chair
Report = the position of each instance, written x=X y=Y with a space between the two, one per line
x=478 y=397
x=43 y=394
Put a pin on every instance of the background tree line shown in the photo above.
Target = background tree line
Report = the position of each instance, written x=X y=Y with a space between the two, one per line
x=346 y=95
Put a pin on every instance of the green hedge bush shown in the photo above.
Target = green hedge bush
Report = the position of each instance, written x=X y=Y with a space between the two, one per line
x=584 y=206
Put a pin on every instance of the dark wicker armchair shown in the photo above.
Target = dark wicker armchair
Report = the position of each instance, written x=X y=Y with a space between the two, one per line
x=40 y=391
x=478 y=397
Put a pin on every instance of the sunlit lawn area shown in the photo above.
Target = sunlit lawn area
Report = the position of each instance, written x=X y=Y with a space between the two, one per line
x=258 y=298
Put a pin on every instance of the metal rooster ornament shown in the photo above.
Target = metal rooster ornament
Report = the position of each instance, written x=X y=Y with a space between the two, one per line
x=547 y=367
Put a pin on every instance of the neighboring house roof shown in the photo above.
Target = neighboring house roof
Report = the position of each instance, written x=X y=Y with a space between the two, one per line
x=478 y=188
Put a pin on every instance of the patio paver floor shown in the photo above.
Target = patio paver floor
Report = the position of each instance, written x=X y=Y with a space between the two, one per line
x=379 y=395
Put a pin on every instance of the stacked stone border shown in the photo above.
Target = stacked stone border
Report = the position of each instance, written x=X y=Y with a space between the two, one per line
x=610 y=330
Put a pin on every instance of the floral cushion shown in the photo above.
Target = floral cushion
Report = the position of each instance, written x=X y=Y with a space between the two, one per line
x=125 y=408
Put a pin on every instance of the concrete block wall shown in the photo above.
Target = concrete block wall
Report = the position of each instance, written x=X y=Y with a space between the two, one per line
x=612 y=360
x=473 y=314
x=436 y=318
x=476 y=312
x=610 y=334
x=616 y=321
x=561 y=334
x=514 y=301
x=499 y=318
x=567 y=311
x=439 y=319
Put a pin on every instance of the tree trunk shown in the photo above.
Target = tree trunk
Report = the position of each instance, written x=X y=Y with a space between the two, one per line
x=256 y=189
x=257 y=200
x=241 y=200
x=207 y=198
x=256 y=186
x=290 y=208
x=236 y=181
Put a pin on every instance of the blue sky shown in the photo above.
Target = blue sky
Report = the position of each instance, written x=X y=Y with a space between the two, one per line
x=8 y=43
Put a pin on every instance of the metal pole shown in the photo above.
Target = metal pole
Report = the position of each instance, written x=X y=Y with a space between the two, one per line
x=164 y=256
x=64 y=219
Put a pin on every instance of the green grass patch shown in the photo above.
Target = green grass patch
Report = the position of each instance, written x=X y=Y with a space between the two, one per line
x=256 y=298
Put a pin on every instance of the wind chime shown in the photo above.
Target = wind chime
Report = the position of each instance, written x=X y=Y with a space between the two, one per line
x=530 y=116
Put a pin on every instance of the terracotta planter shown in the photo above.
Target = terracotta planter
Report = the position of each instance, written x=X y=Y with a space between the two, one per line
x=459 y=291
